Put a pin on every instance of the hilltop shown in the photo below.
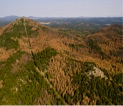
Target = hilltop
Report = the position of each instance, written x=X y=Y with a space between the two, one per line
x=42 y=65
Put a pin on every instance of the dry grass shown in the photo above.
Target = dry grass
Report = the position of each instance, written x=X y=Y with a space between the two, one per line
x=60 y=80
x=1 y=83
x=5 y=54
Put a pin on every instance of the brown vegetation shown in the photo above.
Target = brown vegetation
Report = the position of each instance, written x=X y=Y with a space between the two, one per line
x=103 y=48
x=5 y=54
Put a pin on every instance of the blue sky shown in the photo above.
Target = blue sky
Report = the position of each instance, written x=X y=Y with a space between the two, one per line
x=62 y=8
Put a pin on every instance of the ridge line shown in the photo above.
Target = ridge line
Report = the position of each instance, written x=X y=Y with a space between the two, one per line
x=38 y=69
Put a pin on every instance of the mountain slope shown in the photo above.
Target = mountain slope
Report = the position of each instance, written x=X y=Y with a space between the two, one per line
x=107 y=44
x=42 y=66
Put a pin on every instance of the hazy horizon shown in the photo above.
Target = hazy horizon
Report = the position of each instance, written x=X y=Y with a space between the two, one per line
x=65 y=16
x=62 y=8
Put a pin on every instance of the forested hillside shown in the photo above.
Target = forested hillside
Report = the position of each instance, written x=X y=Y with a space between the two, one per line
x=51 y=65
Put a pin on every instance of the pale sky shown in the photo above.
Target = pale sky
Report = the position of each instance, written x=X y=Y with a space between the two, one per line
x=62 y=8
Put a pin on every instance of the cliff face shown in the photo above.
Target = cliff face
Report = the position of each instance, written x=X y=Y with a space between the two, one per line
x=41 y=66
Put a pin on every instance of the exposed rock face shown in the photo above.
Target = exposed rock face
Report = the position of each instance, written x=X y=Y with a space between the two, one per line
x=97 y=73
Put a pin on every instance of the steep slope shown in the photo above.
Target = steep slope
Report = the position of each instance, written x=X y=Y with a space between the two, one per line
x=20 y=64
x=41 y=66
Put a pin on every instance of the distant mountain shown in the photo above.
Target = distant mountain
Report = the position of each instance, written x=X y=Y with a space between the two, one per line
x=32 y=17
x=40 y=65
x=9 y=18
x=58 y=21
x=5 y=20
